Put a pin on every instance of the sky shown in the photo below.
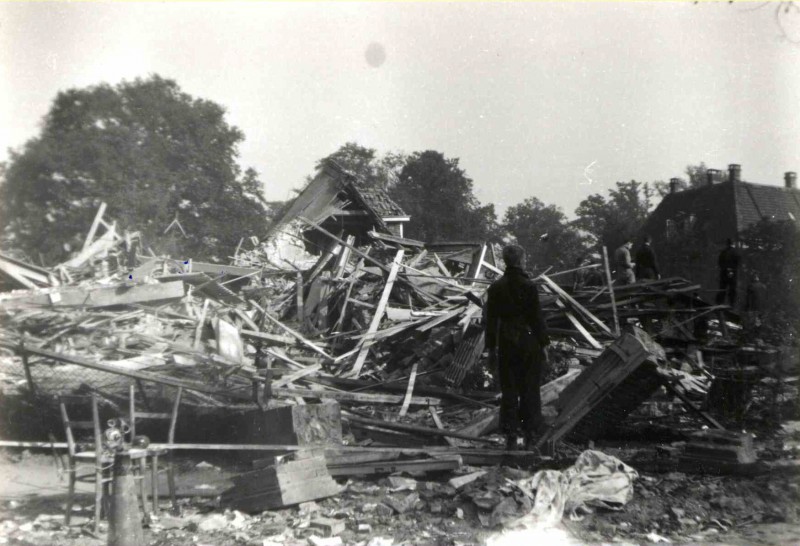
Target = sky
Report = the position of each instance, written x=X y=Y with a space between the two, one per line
x=554 y=100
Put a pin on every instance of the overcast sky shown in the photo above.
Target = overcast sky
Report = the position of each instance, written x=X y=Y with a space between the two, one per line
x=553 y=100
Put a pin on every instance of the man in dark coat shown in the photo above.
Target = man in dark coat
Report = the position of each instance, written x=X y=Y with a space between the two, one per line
x=516 y=337
x=646 y=262
x=728 y=274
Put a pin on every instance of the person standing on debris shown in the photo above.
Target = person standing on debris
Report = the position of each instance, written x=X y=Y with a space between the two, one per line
x=622 y=259
x=517 y=339
x=646 y=262
x=728 y=274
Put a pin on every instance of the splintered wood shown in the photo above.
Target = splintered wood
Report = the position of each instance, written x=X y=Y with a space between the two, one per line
x=389 y=328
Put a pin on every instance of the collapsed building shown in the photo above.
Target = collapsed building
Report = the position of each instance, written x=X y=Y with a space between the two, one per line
x=336 y=347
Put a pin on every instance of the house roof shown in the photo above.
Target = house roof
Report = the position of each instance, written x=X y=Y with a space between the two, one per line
x=727 y=208
x=379 y=201
x=758 y=201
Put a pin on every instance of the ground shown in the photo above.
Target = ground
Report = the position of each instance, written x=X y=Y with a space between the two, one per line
x=682 y=508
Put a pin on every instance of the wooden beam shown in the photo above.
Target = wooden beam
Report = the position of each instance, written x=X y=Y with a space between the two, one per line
x=610 y=290
x=121 y=294
x=376 y=319
x=297 y=335
x=95 y=224
x=136 y=374
x=577 y=306
x=360 y=397
x=413 y=429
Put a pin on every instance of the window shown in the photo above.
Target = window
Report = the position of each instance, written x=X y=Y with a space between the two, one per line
x=670 y=231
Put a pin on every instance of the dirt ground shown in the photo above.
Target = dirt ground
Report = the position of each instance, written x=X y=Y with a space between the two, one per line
x=673 y=506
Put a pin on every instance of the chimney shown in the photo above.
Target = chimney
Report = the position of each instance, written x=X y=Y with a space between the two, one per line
x=734 y=172
x=712 y=175
x=675 y=183
x=790 y=178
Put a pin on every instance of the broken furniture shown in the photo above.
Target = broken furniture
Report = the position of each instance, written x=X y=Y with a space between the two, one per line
x=154 y=454
x=100 y=459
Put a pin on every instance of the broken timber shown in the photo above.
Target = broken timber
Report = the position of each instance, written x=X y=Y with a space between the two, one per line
x=122 y=294
x=621 y=378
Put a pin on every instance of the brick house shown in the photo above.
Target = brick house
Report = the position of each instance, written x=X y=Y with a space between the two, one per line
x=689 y=228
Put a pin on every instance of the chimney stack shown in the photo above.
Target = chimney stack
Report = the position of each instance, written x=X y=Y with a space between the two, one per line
x=734 y=172
x=712 y=175
x=675 y=183
x=790 y=178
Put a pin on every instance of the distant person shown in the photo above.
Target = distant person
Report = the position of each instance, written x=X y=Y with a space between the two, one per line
x=646 y=262
x=516 y=338
x=754 y=300
x=622 y=261
x=728 y=262
x=587 y=276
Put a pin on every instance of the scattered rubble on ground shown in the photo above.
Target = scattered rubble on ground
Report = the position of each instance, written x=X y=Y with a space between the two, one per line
x=352 y=380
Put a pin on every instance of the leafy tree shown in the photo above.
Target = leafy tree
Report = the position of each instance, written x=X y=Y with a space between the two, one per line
x=529 y=221
x=439 y=197
x=772 y=250
x=371 y=170
x=150 y=151
x=696 y=177
x=612 y=221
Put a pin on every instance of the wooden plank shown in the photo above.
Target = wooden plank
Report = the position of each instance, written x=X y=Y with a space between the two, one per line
x=410 y=390
x=122 y=294
x=297 y=335
x=16 y=273
x=376 y=319
x=344 y=257
x=264 y=336
x=438 y=422
x=220 y=269
x=292 y=377
x=136 y=374
x=299 y=288
x=610 y=285
x=413 y=429
x=572 y=302
x=360 y=397
x=200 y=325
x=94 y=226
x=439 y=464
x=441 y=266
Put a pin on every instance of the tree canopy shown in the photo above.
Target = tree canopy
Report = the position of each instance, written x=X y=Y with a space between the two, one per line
x=150 y=151
x=372 y=170
x=529 y=221
x=439 y=196
x=612 y=221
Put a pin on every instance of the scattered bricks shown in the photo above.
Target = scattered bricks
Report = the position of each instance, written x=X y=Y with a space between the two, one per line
x=398 y=483
x=404 y=504
x=328 y=527
x=460 y=481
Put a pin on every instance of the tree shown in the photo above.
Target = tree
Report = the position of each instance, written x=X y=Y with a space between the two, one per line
x=438 y=196
x=772 y=250
x=696 y=177
x=612 y=221
x=529 y=221
x=371 y=170
x=150 y=151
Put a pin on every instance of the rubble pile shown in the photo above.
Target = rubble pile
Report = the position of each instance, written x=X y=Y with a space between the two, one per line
x=375 y=344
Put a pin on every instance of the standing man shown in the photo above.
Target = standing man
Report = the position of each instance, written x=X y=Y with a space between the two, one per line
x=728 y=274
x=622 y=259
x=646 y=262
x=516 y=337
